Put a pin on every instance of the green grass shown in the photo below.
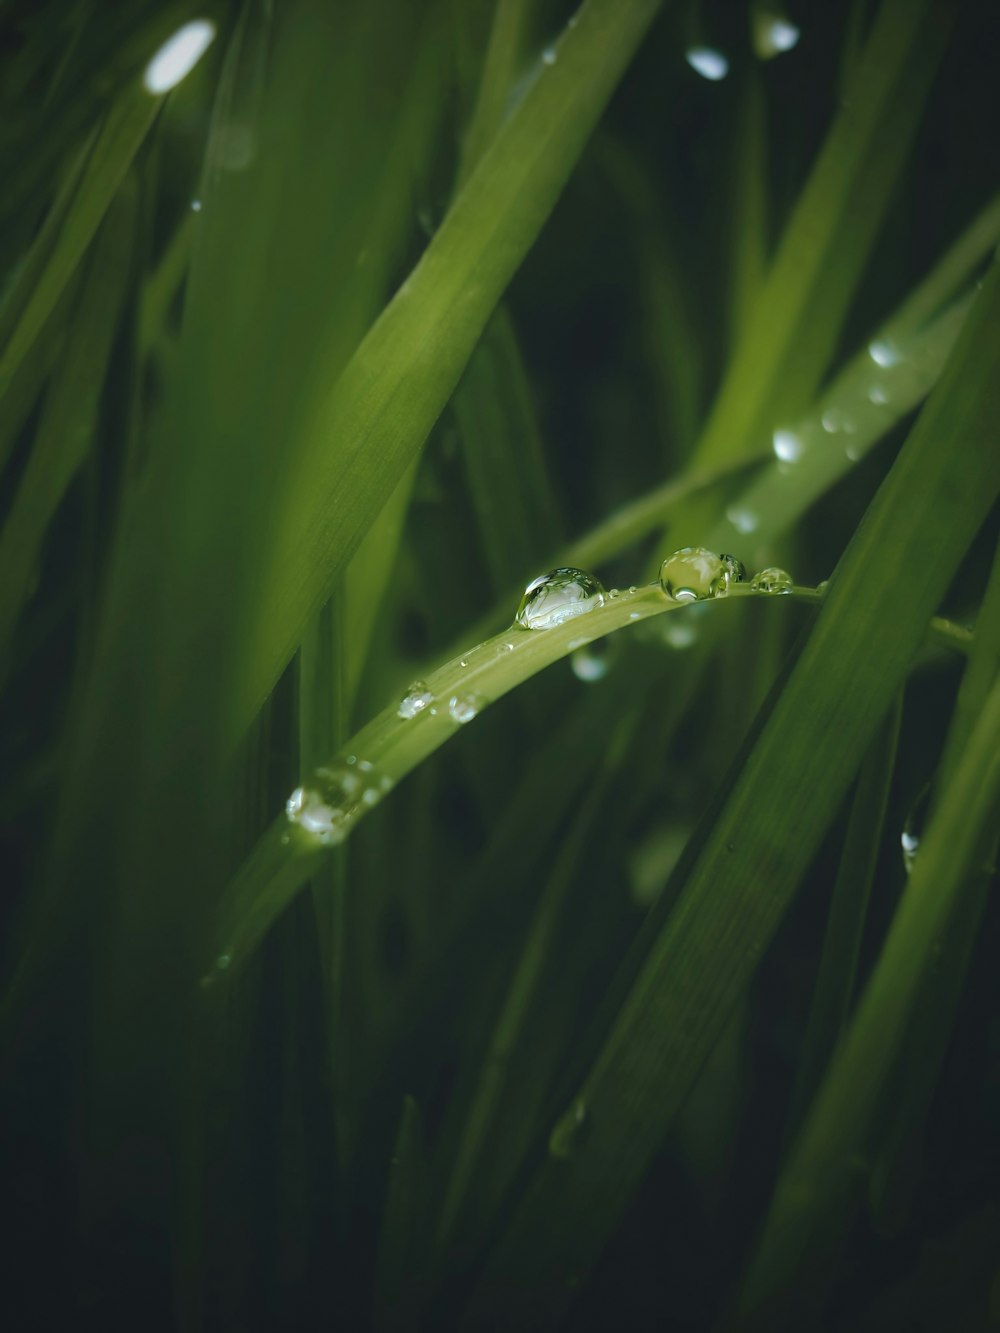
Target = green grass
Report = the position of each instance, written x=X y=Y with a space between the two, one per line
x=607 y=1002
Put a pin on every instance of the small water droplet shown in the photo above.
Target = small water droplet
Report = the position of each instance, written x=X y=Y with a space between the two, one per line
x=505 y=648
x=852 y=452
x=707 y=62
x=773 y=34
x=569 y=1131
x=558 y=596
x=735 y=569
x=613 y=595
x=913 y=828
x=549 y=55
x=593 y=661
x=632 y=589
x=787 y=445
x=742 y=519
x=679 y=630
x=884 y=353
x=195 y=205
x=772 y=580
x=223 y=961
x=822 y=587
x=693 y=574
x=463 y=708
x=415 y=700
x=878 y=395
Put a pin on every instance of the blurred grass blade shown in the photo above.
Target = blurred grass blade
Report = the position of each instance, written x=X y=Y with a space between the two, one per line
x=840 y=1121
x=70 y=415
x=120 y=137
x=769 y=827
x=838 y=964
x=403 y=1239
x=749 y=216
x=504 y=54
x=788 y=342
x=941 y=988
x=394 y=388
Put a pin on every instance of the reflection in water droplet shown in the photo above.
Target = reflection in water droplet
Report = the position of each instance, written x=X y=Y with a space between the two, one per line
x=772 y=580
x=708 y=62
x=463 y=708
x=735 y=569
x=742 y=519
x=693 y=574
x=415 y=700
x=569 y=1131
x=787 y=445
x=558 y=596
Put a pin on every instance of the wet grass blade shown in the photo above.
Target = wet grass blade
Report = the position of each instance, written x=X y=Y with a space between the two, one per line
x=396 y=384
x=760 y=845
x=787 y=345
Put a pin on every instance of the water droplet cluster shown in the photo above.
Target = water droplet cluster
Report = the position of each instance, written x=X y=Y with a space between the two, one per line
x=328 y=805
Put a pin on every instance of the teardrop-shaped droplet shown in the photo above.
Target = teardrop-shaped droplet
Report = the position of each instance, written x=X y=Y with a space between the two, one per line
x=463 y=708
x=415 y=700
x=558 y=596
x=569 y=1131
x=772 y=580
x=735 y=569
x=693 y=574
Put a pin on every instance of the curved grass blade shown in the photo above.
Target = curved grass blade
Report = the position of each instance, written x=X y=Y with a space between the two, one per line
x=773 y=819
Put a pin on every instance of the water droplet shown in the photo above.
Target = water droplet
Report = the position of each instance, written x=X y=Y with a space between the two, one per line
x=679 y=631
x=558 y=596
x=633 y=615
x=415 y=700
x=830 y=421
x=852 y=452
x=223 y=961
x=613 y=595
x=735 y=569
x=549 y=55
x=463 y=708
x=504 y=649
x=593 y=661
x=878 y=395
x=195 y=205
x=178 y=56
x=787 y=445
x=631 y=589
x=707 y=62
x=742 y=519
x=329 y=804
x=884 y=353
x=773 y=34
x=693 y=574
x=822 y=587
x=569 y=1131
x=913 y=828
x=772 y=580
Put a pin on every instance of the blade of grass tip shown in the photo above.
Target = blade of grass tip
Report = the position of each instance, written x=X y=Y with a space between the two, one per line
x=399 y=1269
x=70 y=415
x=813 y=1179
x=749 y=215
x=124 y=128
x=516 y=1008
x=762 y=841
x=395 y=386
x=838 y=964
x=936 y=1005
x=793 y=330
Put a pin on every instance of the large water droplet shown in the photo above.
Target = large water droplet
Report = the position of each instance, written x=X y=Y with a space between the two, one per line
x=772 y=580
x=735 y=569
x=463 y=708
x=569 y=1131
x=415 y=700
x=694 y=574
x=558 y=596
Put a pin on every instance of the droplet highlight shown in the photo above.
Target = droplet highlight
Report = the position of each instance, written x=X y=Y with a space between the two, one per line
x=560 y=595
